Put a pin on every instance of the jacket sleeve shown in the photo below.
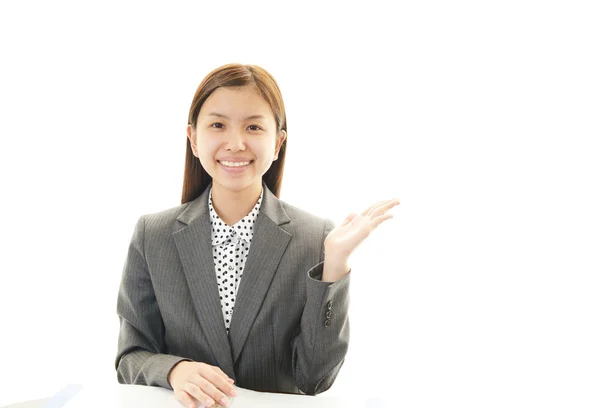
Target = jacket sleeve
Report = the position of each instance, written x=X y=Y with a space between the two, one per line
x=141 y=356
x=321 y=345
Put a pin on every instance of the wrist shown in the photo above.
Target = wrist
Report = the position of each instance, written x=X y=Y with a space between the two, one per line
x=334 y=267
x=173 y=374
x=332 y=252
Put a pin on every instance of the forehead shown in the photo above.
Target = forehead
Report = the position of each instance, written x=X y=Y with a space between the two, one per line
x=236 y=102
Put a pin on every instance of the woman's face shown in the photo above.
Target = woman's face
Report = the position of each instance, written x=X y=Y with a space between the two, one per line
x=235 y=138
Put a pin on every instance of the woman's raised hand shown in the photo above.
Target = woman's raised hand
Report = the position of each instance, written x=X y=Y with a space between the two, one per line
x=345 y=238
x=205 y=383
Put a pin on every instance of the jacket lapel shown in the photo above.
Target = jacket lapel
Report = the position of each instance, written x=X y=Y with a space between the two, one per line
x=266 y=249
x=195 y=251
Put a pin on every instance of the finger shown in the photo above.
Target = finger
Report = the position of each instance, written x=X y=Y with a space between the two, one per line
x=195 y=391
x=185 y=399
x=210 y=389
x=384 y=207
x=220 y=380
x=217 y=376
x=214 y=392
x=221 y=372
x=365 y=212
x=374 y=206
x=378 y=220
x=349 y=218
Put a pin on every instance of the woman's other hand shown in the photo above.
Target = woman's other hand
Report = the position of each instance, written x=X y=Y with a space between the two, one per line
x=205 y=383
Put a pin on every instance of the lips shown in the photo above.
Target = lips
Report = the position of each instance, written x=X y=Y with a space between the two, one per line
x=232 y=168
x=234 y=164
x=228 y=163
x=235 y=160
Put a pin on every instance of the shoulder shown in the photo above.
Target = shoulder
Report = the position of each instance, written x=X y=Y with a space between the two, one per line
x=164 y=221
x=303 y=220
x=168 y=215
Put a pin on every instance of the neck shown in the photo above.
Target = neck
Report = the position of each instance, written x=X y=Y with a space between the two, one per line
x=232 y=206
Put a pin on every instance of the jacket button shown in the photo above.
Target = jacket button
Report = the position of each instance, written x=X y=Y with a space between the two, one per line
x=330 y=304
x=327 y=323
x=328 y=314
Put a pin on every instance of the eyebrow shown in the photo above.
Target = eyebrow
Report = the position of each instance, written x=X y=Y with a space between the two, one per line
x=220 y=115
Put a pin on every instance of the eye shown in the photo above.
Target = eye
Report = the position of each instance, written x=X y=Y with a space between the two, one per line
x=256 y=126
x=217 y=123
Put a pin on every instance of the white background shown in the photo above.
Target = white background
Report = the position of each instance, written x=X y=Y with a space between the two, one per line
x=481 y=116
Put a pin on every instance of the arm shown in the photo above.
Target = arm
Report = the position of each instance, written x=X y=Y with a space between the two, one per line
x=320 y=347
x=141 y=356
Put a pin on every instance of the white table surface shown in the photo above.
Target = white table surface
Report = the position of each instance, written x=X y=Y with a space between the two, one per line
x=125 y=396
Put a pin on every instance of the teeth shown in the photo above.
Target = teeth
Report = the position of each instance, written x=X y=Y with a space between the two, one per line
x=235 y=164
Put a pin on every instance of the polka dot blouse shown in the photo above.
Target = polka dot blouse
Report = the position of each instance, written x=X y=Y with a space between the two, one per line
x=230 y=249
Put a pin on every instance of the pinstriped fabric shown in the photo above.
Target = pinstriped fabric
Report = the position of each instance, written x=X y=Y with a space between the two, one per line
x=169 y=307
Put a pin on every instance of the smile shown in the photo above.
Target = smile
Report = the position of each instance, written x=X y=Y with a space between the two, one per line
x=234 y=164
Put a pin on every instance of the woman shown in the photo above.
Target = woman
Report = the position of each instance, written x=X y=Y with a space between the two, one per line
x=234 y=246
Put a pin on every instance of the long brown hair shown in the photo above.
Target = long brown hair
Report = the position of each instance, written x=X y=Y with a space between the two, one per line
x=195 y=177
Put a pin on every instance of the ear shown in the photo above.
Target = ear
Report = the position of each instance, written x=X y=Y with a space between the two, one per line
x=191 y=134
x=279 y=143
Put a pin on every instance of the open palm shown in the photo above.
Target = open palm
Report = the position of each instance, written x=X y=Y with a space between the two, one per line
x=345 y=238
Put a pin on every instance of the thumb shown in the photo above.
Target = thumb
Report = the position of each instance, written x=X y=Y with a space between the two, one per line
x=349 y=218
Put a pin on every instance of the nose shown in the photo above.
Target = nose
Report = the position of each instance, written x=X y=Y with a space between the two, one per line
x=235 y=141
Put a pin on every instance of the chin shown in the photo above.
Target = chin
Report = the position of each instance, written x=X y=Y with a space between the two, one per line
x=234 y=185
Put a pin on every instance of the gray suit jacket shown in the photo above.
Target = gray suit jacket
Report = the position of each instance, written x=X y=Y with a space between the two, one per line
x=289 y=332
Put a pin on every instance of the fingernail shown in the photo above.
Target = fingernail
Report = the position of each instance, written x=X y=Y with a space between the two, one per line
x=233 y=393
x=225 y=401
x=209 y=402
x=192 y=406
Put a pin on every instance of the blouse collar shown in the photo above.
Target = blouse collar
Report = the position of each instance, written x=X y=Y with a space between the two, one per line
x=244 y=228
